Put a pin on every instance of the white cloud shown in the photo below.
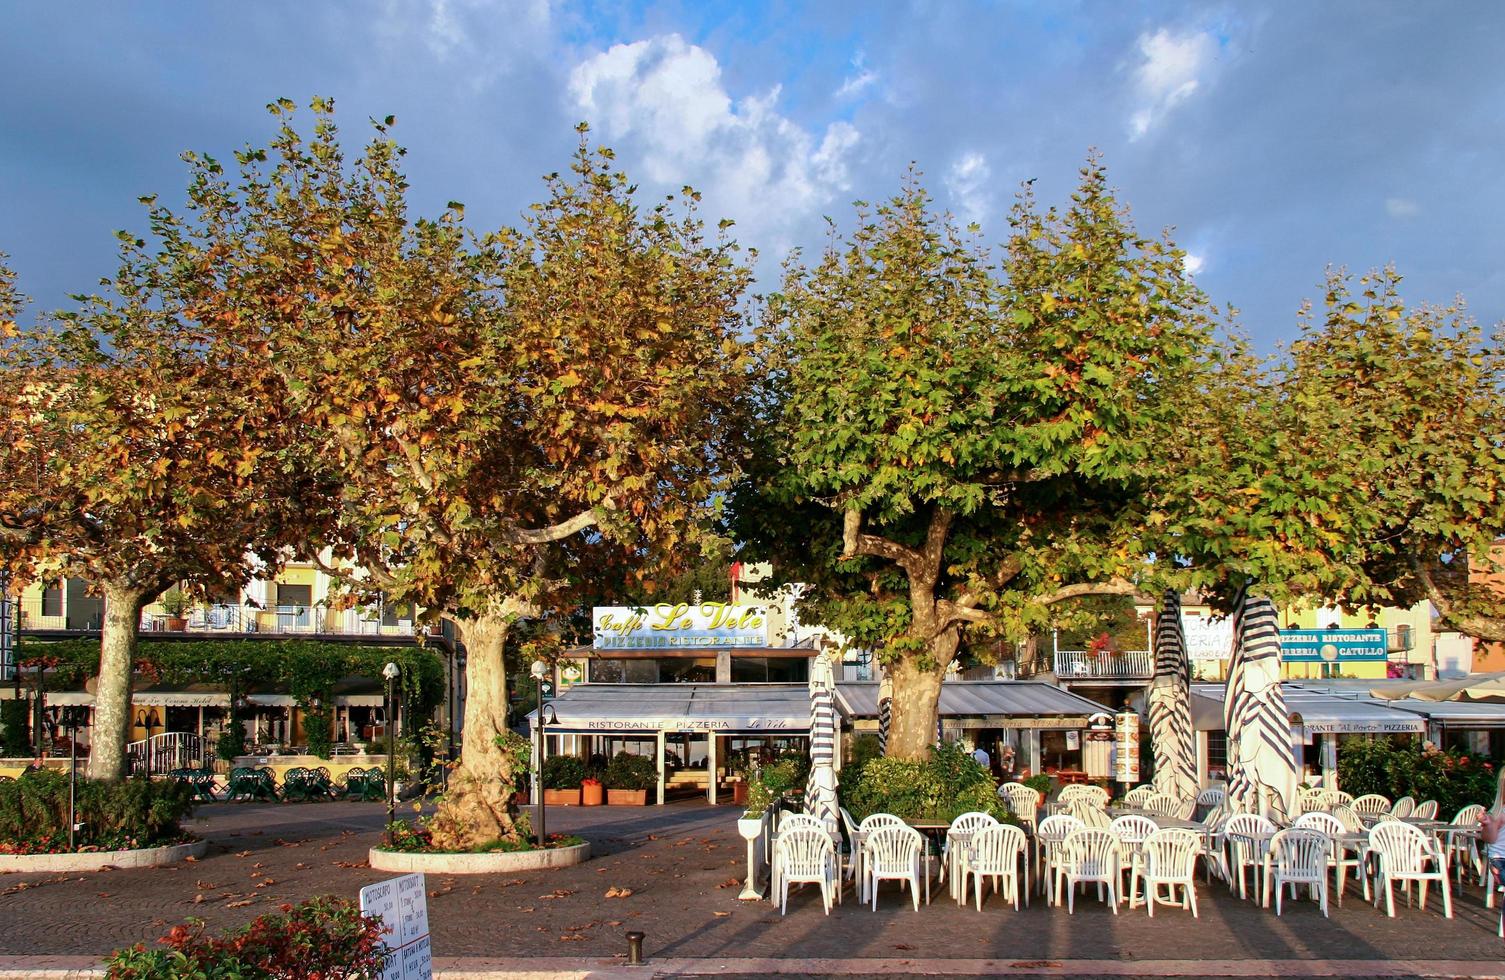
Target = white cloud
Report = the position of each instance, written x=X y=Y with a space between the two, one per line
x=969 y=184
x=860 y=78
x=666 y=99
x=1193 y=263
x=1170 y=70
x=468 y=26
x=1401 y=207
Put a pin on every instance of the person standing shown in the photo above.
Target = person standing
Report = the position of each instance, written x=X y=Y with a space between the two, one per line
x=1492 y=832
x=982 y=757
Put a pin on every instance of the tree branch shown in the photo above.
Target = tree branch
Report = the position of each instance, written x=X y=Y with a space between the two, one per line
x=1482 y=627
x=1114 y=586
x=557 y=532
x=856 y=544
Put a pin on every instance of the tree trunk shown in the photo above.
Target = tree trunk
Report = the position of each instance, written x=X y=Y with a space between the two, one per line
x=478 y=807
x=112 y=698
x=916 y=699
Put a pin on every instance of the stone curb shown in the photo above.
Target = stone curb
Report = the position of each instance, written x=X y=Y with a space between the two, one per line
x=146 y=857
x=564 y=968
x=498 y=862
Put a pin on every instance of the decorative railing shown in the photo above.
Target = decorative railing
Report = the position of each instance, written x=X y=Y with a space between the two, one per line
x=1121 y=665
x=160 y=754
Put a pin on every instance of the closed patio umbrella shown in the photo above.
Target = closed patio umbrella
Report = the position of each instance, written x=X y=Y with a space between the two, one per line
x=820 y=785
x=1262 y=774
x=885 y=711
x=1170 y=707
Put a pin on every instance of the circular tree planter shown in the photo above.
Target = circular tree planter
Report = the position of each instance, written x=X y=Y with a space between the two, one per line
x=493 y=862
x=145 y=857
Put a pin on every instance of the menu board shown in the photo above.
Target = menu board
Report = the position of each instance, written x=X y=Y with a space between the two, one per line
x=402 y=906
x=1126 y=747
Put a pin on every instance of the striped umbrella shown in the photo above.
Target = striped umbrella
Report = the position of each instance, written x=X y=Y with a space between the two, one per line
x=1261 y=764
x=820 y=785
x=885 y=711
x=1170 y=707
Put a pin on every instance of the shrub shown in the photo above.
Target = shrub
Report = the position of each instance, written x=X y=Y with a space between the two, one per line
x=1039 y=782
x=231 y=743
x=1394 y=769
x=323 y=937
x=563 y=772
x=520 y=751
x=942 y=787
x=14 y=743
x=129 y=814
x=864 y=750
x=628 y=771
x=319 y=731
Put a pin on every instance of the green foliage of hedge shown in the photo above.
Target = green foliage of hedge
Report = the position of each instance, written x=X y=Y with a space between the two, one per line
x=319 y=731
x=310 y=668
x=127 y=814
x=1396 y=769
x=13 y=741
x=563 y=772
x=628 y=771
x=324 y=937
x=942 y=787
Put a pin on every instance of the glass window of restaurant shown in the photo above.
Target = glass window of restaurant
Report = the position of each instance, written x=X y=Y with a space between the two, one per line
x=770 y=670
x=1060 y=750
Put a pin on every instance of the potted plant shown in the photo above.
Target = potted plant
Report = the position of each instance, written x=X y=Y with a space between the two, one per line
x=628 y=779
x=175 y=606
x=591 y=793
x=562 y=776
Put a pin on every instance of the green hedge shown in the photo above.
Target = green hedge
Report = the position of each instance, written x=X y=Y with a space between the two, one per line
x=563 y=772
x=942 y=787
x=1406 y=768
x=628 y=771
x=128 y=814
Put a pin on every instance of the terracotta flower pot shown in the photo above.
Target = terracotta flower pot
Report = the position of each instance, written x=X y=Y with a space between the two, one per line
x=627 y=797
x=561 y=797
x=590 y=793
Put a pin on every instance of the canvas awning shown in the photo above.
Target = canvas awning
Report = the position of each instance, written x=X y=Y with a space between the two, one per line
x=997 y=704
x=681 y=708
x=1320 y=713
x=1455 y=714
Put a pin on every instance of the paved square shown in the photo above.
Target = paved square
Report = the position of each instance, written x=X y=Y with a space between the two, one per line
x=684 y=866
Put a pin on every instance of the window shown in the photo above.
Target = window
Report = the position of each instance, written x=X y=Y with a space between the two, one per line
x=623 y=671
x=675 y=670
x=295 y=595
x=766 y=670
x=52 y=600
x=1217 y=755
x=392 y=612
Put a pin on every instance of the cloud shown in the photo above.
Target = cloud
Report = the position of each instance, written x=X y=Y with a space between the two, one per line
x=1170 y=70
x=469 y=26
x=968 y=181
x=1401 y=207
x=666 y=100
x=1193 y=263
x=860 y=78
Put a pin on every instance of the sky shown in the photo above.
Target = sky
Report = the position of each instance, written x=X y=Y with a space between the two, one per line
x=1274 y=139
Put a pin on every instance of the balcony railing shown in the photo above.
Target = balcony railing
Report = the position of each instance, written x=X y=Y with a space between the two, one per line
x=1125 y=665
x=54 y=614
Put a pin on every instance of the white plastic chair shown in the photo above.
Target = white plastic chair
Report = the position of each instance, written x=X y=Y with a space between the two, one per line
x=1090 y=814
x=1023 y=802
x=1312 y=800
x=1406 y=854
x=1338 y=858
x=1131 y=831
x=1404 y=807
x=807 y=855
x=1462 y=854
x=799 y=821
x=1340 y=798
x=1049 y=840
x=1371 y=805
x=1170 y=860
x=1426 y=810
x=1136 y=796
x=892 y=853
x=1213 y=845
x=1212 y=796
x=1246 y=836
x=951 y=851
x=995 y=852
x=1092 y=856
x=854 y=850
x=1299 y=857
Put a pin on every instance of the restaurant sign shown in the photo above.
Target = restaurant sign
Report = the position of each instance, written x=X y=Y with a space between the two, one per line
x=1331 y=645
x=674 y=625
x=1207 y=637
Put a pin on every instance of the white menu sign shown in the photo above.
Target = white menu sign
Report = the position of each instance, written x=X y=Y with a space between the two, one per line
x=402 y=906
x=1207 y=638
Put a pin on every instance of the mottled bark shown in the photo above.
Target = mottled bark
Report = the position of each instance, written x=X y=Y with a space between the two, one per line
x=112 y=696
x=916 y=699
x=479 y=806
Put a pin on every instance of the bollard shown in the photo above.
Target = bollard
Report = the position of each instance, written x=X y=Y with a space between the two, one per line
x=634 y=949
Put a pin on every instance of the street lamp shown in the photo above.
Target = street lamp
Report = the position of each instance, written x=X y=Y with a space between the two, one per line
x=539 y=670
x=390 y=672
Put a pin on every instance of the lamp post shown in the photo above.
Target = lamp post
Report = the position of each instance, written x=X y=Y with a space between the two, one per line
x=449 y=701
x=70 y=715
x=390 y=672
x=538 y=671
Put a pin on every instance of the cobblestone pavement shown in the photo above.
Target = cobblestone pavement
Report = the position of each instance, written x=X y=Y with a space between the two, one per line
x=683 y=865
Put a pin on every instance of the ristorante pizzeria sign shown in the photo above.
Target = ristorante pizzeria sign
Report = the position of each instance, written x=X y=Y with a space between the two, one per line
x=672 y=625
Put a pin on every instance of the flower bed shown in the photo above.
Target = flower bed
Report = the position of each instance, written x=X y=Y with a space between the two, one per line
x=412 y=850
x=131 y=817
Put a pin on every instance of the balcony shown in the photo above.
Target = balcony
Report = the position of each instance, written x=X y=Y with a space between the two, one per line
x=1128 y=665
x=84 y=615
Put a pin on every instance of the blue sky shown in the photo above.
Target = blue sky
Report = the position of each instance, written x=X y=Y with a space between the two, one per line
x=1276 y=138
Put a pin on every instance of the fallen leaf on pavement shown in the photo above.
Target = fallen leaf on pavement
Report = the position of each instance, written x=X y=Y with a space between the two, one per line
x=557 y=893
x=572 y=937
x=615 y=892
x=722 y=915
x=730 y=883
x=240 y=904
